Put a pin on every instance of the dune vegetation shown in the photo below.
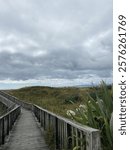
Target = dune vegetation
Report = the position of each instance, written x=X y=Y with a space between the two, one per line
x=97 y=112
x=57 y=100
x=91 y=106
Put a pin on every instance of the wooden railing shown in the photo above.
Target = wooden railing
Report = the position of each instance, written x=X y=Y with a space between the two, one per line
x=7 y=121
x=6 y=102
x=66 y=133
x=16 y=100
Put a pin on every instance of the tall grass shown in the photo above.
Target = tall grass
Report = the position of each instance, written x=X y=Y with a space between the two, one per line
x=97 y=113
x=57 y=100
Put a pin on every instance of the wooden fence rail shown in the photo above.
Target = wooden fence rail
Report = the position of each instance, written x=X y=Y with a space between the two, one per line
x=16 y=100
x=68 y=134
x=7 y=121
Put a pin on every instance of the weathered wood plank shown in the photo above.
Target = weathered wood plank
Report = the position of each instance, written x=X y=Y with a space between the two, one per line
x=26 y=135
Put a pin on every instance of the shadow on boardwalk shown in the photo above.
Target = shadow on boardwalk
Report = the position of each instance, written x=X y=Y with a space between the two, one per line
x=26 y=135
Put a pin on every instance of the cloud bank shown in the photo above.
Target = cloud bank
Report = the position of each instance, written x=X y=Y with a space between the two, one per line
x=66 y=42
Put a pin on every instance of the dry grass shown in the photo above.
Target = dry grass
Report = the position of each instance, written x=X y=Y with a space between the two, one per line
x=57 y=100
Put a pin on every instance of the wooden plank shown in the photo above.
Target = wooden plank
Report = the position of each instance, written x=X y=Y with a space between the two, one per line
x=26 y=134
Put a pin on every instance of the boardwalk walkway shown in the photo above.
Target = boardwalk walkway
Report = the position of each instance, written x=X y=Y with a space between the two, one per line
x=26 y=135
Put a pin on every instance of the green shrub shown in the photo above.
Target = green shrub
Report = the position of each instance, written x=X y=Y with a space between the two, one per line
x=97 y=113
x=72 y=99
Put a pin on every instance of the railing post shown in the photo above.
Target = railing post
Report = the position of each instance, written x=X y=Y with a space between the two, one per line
x=1 y=128
x=56 y=133
x=3 y=132
x=8 y=124
x=69 y=134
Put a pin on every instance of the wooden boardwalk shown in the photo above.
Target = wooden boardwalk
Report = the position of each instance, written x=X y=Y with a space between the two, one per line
x=26 y=134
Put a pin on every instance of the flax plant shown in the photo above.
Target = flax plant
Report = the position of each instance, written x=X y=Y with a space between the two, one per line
x=97 y=113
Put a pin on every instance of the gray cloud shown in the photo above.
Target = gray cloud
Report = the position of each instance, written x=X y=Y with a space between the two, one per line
x=68 y=39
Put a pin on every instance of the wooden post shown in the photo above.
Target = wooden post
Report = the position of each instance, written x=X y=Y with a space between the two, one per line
x=1 y=131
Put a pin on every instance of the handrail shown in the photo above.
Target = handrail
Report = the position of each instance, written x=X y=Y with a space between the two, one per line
x=8 y=109
x=6 y=101
x=7 y=121
x=16 y=100
x=67 y=133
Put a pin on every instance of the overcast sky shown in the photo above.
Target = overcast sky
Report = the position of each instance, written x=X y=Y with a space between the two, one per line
x=55 y=42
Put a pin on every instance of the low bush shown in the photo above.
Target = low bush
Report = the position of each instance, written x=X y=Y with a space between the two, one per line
x=97 y=113
x=72 y=99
